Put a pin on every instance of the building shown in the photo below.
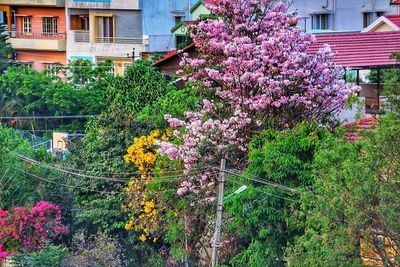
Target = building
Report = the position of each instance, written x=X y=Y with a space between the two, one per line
x=180 y=30
x=36 y=30
x=340 y=15
x=159 y=17
x=385 y=23
x=105 y=29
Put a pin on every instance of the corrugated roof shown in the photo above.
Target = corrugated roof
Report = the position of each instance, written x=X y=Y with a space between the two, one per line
x=395 y=2
x=172 y=54
x=361 y=49
x=394 y=18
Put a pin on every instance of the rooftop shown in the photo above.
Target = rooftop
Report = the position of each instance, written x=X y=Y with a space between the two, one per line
x=394 y=18
x=361 y=49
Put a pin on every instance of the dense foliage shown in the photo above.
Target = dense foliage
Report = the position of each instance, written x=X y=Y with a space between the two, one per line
x=5 y=49
x=254 y=96
x=28 y=230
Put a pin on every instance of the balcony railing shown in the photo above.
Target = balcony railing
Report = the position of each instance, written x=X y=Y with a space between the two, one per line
x=24 y=40
x=36 y=35
x=82 y=36
x=118 y=40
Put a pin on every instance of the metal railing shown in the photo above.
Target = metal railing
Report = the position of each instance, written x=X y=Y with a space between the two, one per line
x=82 y=36
x=36 y=35
x=118 y=40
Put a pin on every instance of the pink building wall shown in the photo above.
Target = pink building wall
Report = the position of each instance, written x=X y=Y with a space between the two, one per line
x=40 y=56
x=37 y=15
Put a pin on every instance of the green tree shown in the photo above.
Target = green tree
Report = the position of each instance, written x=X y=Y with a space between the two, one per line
x=260 y=216
x=5 y=49
x=355 y=206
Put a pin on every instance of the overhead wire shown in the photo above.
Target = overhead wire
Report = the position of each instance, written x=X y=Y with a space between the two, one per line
x=47 y=117
x=84 y=188
x=115 y=179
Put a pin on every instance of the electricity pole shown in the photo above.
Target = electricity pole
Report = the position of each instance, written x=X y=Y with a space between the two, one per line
x=220 y=199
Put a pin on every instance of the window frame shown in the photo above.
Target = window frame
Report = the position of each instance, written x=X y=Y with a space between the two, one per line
x=27 y=25
x=100 y=29
x=368 y=18
x=49 y=26
x=320 y=21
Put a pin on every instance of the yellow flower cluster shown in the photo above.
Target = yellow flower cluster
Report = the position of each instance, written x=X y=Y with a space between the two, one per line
x=143 y=213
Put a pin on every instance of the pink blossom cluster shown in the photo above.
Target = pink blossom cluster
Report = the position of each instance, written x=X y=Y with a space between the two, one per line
x=3 y=254
x=256 y=65
x=24 y=229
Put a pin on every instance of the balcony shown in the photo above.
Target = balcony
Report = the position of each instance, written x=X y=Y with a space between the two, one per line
x=119 y=40
x=81 y=36
x=103 y=4
x=37 y=41
x=46 y=3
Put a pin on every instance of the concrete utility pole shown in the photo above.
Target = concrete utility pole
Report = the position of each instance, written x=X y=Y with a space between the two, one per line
x=220 y=199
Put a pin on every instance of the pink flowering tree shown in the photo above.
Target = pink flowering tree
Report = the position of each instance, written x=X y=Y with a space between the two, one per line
x=255 y=70
x=27 y=230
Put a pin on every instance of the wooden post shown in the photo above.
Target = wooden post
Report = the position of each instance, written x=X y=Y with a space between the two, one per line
x=220 y=199
x=378 y=85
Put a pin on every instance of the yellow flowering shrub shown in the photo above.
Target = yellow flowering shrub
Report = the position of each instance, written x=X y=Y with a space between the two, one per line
x=140 y=201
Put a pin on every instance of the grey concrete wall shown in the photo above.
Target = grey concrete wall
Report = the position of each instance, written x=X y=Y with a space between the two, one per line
x=347 y=15
x=129 y=24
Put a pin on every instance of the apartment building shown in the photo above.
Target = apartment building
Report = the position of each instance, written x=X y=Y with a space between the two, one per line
x=321 y=16
x=36 y=30
x=159 y=17
x=104 y=29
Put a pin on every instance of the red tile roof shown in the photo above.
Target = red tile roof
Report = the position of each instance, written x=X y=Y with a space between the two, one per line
x=357 y=49
x=395 y=2
x=172 y=54
x=361 y=49
x=394 y=18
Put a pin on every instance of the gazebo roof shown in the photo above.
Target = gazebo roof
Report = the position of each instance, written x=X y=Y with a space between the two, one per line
x=361 y=49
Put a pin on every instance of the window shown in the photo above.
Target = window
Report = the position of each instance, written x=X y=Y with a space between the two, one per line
x=49 y=26
x=84 y=23
x=52 y=68
x=181 y=41
x=126 y=66
x=380 y=14
x=27 y=25
x=320 y=21
x=25 y=64
x=368 y=16
x=178 y=19
x=105 y=29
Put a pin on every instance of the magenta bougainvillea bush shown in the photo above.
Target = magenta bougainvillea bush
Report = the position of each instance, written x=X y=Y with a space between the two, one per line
x=27 y=229
x=255 y=72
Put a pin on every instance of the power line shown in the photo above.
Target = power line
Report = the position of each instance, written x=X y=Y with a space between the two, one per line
x=115 y=179
x=65 y=185
x=264 y=192
x=48 y=117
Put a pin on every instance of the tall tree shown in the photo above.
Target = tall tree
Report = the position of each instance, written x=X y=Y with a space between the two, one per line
x=5 y=49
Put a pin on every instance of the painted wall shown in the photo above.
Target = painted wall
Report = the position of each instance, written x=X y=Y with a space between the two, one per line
x=201 y=10
x=39 y=58
x=347 y=16
x=128 y=24
x=383 y=28
x=37 y=16
x=159 y=19
x=103 y=4
x=56 y=3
